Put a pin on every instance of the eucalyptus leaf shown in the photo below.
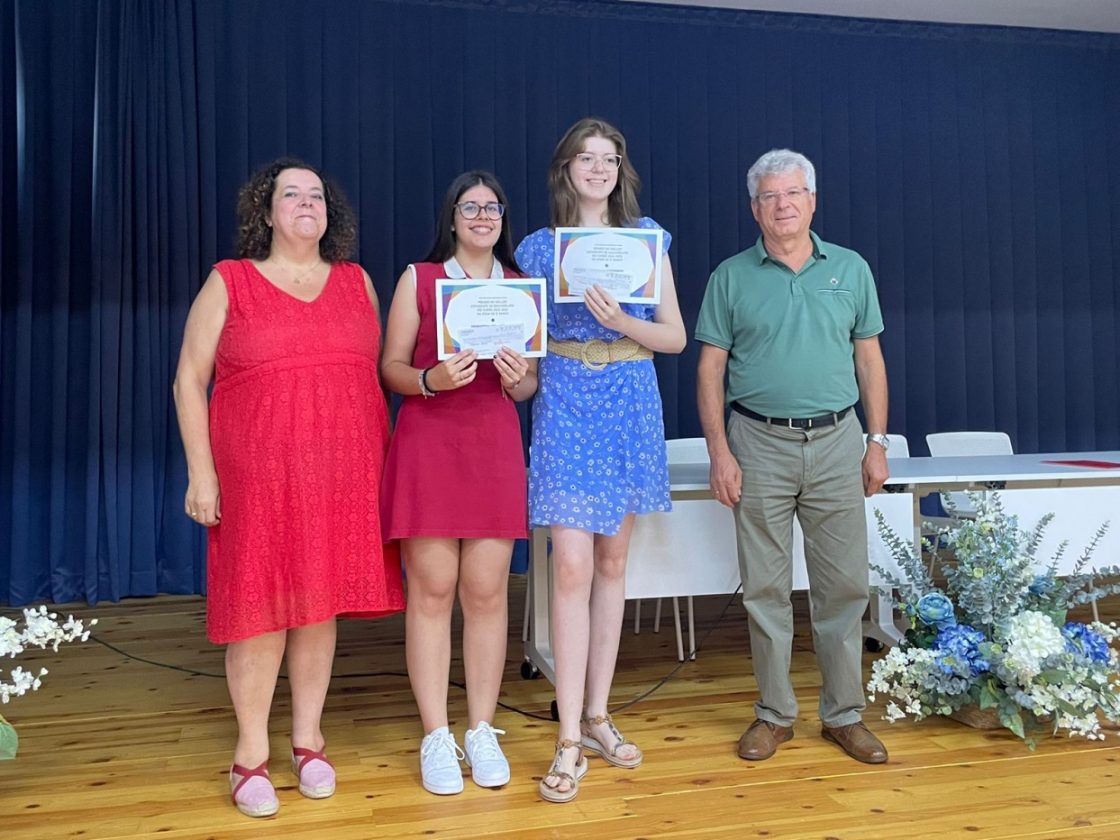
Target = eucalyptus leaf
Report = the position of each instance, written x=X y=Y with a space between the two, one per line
x=1068 y=708
x=9 y=740
x=988 y=697
x=1013 y=721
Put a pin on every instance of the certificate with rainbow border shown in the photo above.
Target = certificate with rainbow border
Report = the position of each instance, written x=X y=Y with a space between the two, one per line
x=485 y=315
x=624 y=261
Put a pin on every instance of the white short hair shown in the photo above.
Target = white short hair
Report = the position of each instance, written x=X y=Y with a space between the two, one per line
x=780 y=162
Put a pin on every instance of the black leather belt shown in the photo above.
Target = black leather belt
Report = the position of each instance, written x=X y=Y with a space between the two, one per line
x=795 y=422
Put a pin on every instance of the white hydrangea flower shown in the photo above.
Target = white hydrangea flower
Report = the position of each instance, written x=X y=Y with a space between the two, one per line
x=1031 y=637
x=1109 y=632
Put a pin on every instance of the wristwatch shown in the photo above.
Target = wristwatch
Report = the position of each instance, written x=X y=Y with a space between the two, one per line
x=882 y=440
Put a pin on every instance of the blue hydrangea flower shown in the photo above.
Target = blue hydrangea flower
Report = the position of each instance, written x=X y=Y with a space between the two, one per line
x=958 y=651
x=936 y=610
x=1084 y=642
x=1042 y=585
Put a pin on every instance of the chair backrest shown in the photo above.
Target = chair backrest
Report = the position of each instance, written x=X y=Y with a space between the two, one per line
x=968 y=443
x=900 y=447
x=687 y=450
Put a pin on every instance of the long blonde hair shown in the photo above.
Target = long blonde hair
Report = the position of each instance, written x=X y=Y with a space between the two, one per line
x=622 y=205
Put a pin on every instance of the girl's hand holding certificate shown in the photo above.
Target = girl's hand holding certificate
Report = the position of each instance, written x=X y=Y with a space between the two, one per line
x=455 y=372
x=604 y=308
x=511 y=367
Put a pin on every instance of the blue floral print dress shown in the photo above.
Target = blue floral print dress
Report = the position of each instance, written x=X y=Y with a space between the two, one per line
x=598 y=441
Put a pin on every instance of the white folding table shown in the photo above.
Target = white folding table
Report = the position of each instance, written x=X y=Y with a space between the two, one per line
x=700 y=560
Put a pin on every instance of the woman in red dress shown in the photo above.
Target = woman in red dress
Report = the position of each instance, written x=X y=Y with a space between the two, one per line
x=455 y=485
x=284 y=462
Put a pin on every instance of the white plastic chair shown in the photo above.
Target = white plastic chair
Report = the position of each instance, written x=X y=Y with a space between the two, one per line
x=687 y=450
x=900 y=447
x=677 y=451
x=963 y=444
x=881 y=604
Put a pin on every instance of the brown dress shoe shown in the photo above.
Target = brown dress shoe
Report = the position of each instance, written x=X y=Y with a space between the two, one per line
x=857 y=741
x=761 y=740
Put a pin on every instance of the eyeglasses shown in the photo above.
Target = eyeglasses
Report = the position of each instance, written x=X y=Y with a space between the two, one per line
x=792 y=194
x=471 y=209
x=586 y=160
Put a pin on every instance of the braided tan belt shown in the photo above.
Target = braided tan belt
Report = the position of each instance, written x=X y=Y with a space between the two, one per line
x=596 y=354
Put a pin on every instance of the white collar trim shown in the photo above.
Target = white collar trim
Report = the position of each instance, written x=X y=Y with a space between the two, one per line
x=455 y=271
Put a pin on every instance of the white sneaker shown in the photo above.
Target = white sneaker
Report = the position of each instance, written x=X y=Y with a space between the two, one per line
x=439 y=762
x=488 y=764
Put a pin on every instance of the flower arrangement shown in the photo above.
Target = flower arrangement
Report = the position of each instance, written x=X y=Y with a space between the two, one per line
x=42 y=630
x=996 y=638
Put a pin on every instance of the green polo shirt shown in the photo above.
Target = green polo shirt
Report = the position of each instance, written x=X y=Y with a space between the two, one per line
x=789 y=335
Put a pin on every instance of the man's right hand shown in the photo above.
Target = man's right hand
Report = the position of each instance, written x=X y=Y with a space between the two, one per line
x=726 y=479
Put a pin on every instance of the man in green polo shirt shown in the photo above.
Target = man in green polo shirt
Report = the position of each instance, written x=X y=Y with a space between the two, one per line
x=794 y=324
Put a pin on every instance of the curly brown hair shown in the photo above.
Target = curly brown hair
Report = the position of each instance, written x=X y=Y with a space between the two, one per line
x=254 y=204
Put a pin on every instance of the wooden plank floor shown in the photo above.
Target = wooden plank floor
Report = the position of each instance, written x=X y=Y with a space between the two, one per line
x=113 y=747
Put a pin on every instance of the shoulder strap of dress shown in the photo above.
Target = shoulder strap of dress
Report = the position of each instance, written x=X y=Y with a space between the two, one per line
x=347 y=285
x=350 y=273
x=233 y=272
x=426 y=275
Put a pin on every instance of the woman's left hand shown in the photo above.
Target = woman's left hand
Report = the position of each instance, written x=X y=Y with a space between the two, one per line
x=604 y=308
x=511 y=366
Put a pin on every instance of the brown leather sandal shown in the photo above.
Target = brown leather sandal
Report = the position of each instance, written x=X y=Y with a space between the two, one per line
x=609 y=754
x=549 y=793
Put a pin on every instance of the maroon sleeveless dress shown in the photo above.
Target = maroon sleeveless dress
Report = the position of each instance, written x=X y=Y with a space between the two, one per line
x=299 y=429
x=455 y=466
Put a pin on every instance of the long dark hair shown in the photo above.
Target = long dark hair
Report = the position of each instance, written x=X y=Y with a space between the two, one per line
x=443 y=248
x=622 y=205
x=254 y=203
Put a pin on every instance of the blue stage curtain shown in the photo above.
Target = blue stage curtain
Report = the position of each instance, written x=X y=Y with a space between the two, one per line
x=977 y=169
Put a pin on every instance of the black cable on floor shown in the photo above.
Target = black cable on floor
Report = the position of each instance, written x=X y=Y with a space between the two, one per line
x=196 y=673
x=688 y=659
x=375 y=674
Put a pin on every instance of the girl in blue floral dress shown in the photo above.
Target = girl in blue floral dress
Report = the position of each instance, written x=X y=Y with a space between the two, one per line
x=598 y=453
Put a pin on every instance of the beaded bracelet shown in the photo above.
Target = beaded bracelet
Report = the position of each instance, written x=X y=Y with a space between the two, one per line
x=422 y=379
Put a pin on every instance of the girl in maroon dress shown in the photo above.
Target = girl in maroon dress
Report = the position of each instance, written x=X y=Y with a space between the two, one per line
x=455 y=485
x=284 y=462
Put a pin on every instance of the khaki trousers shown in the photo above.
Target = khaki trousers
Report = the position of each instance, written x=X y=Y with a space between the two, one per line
x=816 y=473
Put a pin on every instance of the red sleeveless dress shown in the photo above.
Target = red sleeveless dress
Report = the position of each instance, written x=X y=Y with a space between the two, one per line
x=299 y=429
x=455 y=467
